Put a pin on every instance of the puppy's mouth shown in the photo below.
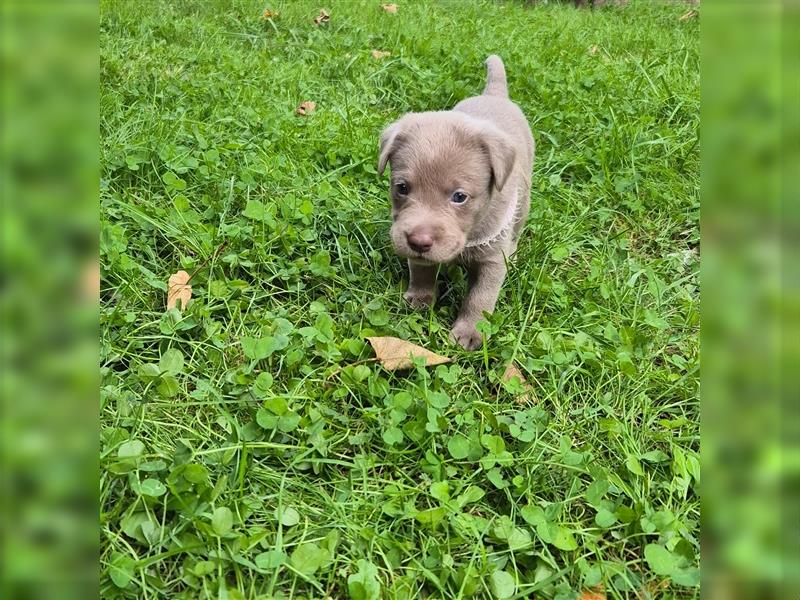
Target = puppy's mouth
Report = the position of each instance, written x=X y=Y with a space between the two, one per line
x=441 y=251
x=434 y=256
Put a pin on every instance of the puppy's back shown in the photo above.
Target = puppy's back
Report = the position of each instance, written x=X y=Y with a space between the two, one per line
x=495 y=106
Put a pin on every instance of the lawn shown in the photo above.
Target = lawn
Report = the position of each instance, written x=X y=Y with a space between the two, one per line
x=251 y=446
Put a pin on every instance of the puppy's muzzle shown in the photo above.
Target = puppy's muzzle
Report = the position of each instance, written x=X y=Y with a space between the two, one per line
x=420 y=239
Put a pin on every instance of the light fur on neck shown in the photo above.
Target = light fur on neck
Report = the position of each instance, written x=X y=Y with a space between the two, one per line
x=503 y=227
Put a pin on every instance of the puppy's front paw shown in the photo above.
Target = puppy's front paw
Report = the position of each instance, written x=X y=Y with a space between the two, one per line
x=465 y=335
x=419 y=298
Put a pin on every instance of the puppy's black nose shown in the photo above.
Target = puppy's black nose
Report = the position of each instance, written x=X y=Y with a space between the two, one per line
x=420 y=241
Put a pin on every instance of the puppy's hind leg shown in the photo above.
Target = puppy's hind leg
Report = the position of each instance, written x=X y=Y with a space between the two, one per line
x=421 y=285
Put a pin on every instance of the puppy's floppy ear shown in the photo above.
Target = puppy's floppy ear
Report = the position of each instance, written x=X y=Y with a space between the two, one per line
x=501 y=154
x=388 y=144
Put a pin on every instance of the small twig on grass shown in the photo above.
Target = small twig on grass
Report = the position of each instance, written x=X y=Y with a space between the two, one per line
x=209 y=259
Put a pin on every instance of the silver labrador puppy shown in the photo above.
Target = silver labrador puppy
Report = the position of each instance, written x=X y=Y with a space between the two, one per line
x=460 y=189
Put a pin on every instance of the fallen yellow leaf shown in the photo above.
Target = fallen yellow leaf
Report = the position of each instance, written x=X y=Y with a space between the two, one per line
x=379 y=54
x=598 y=592
x=179 y=289
x=395 y=354
x=689 y=15
x=306 y=108
x=528 y=396
x=269 y=14
x=322 y=17
x=390 y=8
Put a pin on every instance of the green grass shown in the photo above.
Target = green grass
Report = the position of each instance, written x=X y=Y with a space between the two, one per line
x=251 y=449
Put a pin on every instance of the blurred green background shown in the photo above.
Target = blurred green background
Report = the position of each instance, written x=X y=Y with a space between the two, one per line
x=749 y=154
x=50 y=290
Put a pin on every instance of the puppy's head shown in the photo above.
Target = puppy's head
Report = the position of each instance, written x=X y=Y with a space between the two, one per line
x=445 y=169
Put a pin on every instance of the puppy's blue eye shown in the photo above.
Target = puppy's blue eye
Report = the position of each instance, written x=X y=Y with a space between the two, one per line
x=401 y=188
x=459 y=198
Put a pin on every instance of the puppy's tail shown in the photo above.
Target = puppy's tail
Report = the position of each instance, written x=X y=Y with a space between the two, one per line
x=495 y=77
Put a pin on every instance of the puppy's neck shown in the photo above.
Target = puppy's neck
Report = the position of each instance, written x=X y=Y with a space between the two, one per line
x=497 y=229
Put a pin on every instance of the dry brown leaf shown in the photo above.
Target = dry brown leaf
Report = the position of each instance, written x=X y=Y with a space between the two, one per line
x=322 y=17
x=526 y=397
x=390 y=8
x=179 y=289
x=394 y=353
x=379 y=54
x=269 y=14
x=598 y=592
x=306 y=108
x=689 y=15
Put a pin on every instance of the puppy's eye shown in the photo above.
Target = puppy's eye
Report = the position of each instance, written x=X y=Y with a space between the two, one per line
x=401 y=188
x=459 y=198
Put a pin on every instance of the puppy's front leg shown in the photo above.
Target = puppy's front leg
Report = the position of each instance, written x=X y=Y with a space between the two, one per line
x=421 y=284
x=485 y=280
